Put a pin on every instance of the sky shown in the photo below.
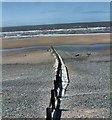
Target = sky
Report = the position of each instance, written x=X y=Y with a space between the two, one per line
x=56 y=0
x=37 y=13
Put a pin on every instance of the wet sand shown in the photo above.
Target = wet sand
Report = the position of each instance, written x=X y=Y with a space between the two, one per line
x=27 y=56
x=55 y=41
x=38 y=56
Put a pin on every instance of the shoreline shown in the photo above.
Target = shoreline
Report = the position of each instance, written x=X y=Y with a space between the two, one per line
x=56 y=41
x=35 y=50
x=53 y=35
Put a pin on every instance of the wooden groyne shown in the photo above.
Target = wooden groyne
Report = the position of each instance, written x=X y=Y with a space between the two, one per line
x=60 y=85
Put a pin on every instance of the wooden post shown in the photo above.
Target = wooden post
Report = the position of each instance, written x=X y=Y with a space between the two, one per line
x=55 y=87
x=53 y=99
x=48 y=114
x=57 y=79
x=55 y=84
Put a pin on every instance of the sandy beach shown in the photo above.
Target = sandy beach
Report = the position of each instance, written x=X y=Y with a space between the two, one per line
x=38 y=55
x=30 y=57
x=28 y=73
x=55 y=41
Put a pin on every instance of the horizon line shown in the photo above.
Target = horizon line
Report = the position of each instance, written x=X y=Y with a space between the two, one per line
x=54 y=24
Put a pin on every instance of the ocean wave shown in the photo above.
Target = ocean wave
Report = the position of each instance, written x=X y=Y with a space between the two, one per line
x=54 y=32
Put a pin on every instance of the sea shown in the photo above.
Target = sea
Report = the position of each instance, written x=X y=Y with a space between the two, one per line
x=68 y=29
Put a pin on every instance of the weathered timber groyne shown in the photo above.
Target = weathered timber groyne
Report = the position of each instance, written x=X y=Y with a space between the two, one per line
x=60 y=85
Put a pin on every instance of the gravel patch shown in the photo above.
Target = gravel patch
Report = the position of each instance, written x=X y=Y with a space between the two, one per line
x=26 y=90
x=88 y=94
